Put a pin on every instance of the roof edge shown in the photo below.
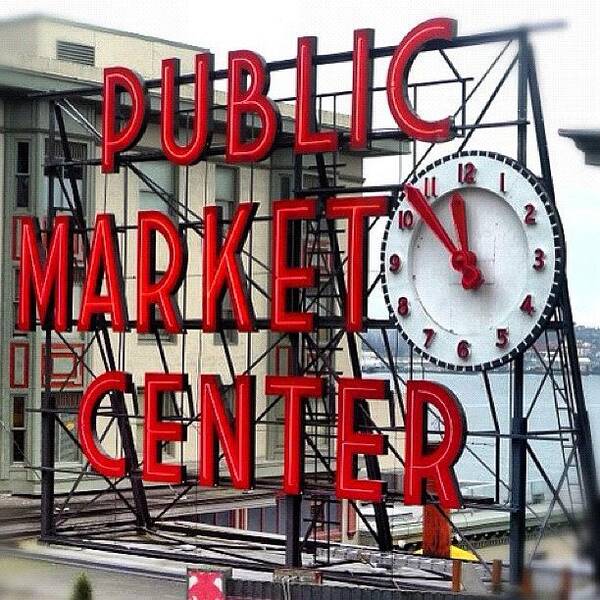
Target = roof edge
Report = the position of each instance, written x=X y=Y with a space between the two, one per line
x=40 y=16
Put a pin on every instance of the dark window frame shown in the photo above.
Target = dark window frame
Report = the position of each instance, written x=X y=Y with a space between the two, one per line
x=144 y=189
x=60 y=436
x=21 y=429
x=22 y=176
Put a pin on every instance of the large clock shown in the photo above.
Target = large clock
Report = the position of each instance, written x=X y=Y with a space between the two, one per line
x=472 y=258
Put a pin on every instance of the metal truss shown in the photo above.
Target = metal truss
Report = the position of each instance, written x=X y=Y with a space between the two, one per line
x=143 y=521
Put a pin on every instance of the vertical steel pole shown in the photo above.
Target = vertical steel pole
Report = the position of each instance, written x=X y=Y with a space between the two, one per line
x=363 y=415
x=117 y=399
x=518 y=448
x=584 y=442
x=293 y=503
x=47 y=523
x=518 y=477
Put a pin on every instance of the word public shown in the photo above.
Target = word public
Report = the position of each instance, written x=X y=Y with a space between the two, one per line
x=247 y=98
x=46 y=279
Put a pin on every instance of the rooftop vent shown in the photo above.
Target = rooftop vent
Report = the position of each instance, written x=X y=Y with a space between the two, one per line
x=75 y=53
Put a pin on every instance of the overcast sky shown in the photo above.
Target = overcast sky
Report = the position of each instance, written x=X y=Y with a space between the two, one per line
x=567 y=59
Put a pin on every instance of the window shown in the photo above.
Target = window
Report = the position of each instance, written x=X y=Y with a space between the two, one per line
x=170 y=410
x=168 y=338
x=316 y=252
x=226 y=191
x=226 y=186
x=78 y=152
x=282 y=365
x=78 y=280
x=65 y=449
x=22 y=174
x=15 y=304
x=285 y=184
x=18 y=429
x=231 y=335
x=162 y=176
x=317 y=513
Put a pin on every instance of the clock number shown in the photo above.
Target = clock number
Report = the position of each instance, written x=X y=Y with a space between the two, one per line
x=403 y=307
x=529 y=214
x=395 y=263
x=502 y=337
x=405 y=219
x=502 y=183
x=540 y=259
x=429 y=335
x=527 y=305
x=466 y=173
x=463 y=349
x=429 y=187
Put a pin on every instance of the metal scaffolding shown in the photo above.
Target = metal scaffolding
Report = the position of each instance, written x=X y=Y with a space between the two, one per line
x=312 y=518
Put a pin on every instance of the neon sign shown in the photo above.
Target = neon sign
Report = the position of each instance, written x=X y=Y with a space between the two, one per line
x=46 y=282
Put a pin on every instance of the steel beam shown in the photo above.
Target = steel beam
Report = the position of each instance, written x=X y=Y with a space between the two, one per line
x=518 y=477
x=47 y=521
x=518 y=445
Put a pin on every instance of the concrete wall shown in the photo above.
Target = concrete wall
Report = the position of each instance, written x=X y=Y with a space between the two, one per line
x=31 y=43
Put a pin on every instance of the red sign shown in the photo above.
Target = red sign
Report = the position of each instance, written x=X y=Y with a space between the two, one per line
x=205 y=585
x=247 y=94
x=46 y=282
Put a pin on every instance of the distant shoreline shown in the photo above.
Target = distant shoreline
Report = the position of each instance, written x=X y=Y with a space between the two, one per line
x=499 y=371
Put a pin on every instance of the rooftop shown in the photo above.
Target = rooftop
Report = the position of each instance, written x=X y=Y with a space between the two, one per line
x=42 y=53
x=43 y=17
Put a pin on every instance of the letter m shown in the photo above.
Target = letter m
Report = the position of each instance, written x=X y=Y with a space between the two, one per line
x=45 y=277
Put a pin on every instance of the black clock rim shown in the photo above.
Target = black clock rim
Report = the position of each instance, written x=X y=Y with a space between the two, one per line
x=559 y=264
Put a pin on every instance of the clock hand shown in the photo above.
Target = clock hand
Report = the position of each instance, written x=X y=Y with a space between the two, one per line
x=460 y=259
x=416 y=198
x=464 y=260
x=457 y=205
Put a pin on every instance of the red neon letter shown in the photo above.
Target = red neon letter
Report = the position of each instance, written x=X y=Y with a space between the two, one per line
x=46 y=282
x=284 y=277
x=104 y=261
x=362 y=83
x=105 y=383
x=222 y=267
x=397 y=87
x=435 y=465
x=160 y=293
x=157 y=431
x=191 y=152
x=246 y=100
x=294 y=390
x=115 y=140
x=357 y=211
x=351 y=442
x=235 y=434
x=307 y=140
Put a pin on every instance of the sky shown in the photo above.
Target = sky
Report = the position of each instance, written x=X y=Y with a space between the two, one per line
x=567 y=62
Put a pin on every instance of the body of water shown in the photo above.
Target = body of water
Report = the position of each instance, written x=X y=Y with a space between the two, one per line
x=475 y=463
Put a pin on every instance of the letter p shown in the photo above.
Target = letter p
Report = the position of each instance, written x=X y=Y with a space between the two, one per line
x=115 y=139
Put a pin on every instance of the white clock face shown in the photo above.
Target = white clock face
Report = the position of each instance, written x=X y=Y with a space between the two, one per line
x=472 y=259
